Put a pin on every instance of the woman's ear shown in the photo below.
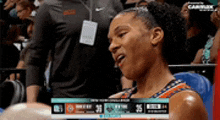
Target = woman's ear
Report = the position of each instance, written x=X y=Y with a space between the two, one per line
x=157 y=35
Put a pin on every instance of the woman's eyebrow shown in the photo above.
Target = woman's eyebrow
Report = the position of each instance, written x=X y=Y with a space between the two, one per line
x=119 y=28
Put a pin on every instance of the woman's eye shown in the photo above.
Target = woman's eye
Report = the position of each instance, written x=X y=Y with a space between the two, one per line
x=122 y=34
x=184 y=11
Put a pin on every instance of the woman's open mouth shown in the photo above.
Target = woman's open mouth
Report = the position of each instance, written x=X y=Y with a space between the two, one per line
x=120 y=60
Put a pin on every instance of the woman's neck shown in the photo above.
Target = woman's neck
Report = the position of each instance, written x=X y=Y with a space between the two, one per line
x=154 y=80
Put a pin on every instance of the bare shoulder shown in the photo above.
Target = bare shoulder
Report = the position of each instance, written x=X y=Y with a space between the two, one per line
x=117 y=95
x=187 y=105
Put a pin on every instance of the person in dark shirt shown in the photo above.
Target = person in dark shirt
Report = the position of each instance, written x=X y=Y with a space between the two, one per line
x=9 y=54
x=78 y=69
x=24 y=54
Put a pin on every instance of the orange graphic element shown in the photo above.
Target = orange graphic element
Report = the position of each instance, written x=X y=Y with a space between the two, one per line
x=69 y=12
x=70 y=108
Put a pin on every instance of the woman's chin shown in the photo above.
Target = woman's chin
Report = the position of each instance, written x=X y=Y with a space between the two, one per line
x=129 y=75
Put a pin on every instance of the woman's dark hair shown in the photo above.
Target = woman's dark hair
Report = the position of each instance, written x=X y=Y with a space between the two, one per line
x=169 y=19
x=8 y=34
x=13 y=33
x=25 y=4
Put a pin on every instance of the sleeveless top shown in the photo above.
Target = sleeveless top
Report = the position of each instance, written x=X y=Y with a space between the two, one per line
x=206 y=51
x=171 y=88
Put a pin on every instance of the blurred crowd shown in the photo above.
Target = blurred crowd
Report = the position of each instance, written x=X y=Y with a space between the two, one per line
x=17 y=25
x=18 y=16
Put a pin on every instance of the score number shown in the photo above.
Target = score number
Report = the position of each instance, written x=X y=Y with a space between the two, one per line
x=98 y=108
x=139 y=108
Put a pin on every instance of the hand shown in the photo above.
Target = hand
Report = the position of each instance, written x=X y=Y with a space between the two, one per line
x=12 y=77
x=9 y=4
x=21 y=38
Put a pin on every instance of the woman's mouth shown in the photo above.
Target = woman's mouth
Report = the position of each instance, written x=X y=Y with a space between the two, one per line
x=120 y=60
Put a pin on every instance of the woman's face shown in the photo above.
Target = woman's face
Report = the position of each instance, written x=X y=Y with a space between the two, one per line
x=185 y=12
x=215 y=16
x=130 y=45
x=23 y=13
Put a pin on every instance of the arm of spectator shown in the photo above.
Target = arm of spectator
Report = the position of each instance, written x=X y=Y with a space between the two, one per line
x=215 y=47
x=21 y=65
x=215 y=18
x=9 y=4
x=32 y=93
x=126 y=83
x=39 y=48
x=198 y=57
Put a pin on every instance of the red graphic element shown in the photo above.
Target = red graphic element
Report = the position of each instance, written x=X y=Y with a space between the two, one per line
x=216 y=108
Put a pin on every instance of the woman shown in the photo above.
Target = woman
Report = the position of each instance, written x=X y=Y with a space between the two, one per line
x=143 y=41
x=200 y=32
x=210 y=52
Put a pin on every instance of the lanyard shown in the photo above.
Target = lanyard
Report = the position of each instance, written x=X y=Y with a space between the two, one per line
x=89 y=9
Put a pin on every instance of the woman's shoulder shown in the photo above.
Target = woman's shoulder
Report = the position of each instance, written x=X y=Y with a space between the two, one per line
x=188 y=96
x=188 y=104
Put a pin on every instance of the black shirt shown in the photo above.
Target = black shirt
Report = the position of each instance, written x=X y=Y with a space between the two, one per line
x=78 y=70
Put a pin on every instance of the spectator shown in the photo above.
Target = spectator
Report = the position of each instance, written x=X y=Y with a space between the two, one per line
x=9 y=54
x=208 y=54
x=24 y=9
x=198 y=30
x=215 y=18
x=24 y=55
x=142 y=42
x=77 y=69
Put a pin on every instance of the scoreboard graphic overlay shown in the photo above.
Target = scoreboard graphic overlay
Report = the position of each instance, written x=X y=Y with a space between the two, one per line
x=70 y=108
